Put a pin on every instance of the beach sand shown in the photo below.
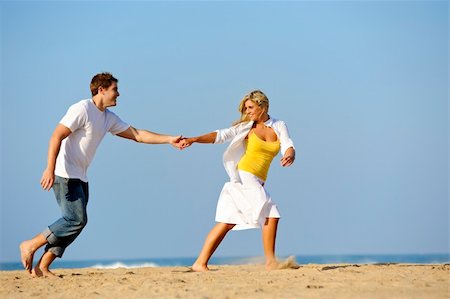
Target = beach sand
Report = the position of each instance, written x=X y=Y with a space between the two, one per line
x=237 y=281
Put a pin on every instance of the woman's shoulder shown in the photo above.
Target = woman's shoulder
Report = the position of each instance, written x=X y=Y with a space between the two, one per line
x=277 y=122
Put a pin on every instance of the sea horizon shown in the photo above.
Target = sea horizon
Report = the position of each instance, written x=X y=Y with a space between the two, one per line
x=442 y=258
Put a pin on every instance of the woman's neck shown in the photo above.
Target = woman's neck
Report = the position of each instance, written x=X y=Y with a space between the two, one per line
x=263 y=119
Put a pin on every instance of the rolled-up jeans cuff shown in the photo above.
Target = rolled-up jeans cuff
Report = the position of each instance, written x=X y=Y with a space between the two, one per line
x=50 y=236
x=57 y=250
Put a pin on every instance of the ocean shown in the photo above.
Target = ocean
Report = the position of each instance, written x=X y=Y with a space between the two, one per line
x=187 y=261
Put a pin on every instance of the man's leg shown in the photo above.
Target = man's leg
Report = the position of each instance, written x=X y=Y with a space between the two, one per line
x=269 y=234
x=28 y=248
x=215 y=236
x=72 y=196
x=42 y=266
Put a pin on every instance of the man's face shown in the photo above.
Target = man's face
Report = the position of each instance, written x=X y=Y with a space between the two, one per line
x=110 y=95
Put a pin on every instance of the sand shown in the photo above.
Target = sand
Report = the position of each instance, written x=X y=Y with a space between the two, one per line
x=236 y=281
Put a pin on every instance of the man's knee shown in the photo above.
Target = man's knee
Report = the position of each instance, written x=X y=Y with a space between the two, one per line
x=78 y=223
x=82 y=222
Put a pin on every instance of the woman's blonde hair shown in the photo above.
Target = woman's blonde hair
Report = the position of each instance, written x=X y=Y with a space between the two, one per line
x=257 y=97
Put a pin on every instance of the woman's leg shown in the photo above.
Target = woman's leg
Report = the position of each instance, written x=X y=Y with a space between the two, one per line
x=269 y=234
x=215 y=236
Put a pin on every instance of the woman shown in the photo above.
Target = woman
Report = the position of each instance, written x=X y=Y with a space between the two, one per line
x=244 y=203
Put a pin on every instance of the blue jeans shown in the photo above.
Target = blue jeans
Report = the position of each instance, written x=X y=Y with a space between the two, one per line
x=72 y=197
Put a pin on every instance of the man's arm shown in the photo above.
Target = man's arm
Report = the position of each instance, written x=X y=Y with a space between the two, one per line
x=144 y=136
x=48 y=177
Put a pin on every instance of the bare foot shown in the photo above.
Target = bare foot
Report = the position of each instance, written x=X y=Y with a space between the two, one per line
x=49 y=274
x=38 y=272
x=199 y=268
x=272 y=265
x=26 y=254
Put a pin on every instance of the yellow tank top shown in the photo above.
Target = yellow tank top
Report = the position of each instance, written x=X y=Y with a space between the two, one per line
x=258 y=156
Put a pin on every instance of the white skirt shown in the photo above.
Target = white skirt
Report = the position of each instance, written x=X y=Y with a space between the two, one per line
x=246 y=203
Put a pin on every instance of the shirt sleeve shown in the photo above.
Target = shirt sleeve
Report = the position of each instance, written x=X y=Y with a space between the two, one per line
x=226 y=135
x=285 y=140
x=116 y=124
x=74 y=118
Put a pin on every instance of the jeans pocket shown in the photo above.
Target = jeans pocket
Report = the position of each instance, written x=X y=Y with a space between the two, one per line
x=60 y=180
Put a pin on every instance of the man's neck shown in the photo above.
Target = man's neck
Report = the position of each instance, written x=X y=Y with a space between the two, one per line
x=98 y=103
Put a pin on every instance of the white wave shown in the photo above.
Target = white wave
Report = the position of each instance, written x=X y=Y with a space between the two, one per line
x=117 y=265
x=248 y=260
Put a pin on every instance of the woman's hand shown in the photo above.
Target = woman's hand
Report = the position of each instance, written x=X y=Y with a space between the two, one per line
x=288 y=158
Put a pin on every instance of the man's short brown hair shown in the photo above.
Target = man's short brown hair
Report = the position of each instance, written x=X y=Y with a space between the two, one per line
x=101 y=80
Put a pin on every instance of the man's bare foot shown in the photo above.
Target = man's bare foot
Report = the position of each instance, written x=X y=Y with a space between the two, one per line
x=38 y=272
x=199 y=268
x=26 y=254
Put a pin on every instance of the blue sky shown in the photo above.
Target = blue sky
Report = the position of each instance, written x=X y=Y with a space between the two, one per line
x=362 y=85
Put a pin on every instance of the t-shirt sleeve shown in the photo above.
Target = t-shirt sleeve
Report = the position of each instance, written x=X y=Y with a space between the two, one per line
x=74 y=118
x=116 y=124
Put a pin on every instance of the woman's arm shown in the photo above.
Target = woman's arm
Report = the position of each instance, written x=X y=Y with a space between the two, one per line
x=287 y=145
x=218 y=136
x=207 y=138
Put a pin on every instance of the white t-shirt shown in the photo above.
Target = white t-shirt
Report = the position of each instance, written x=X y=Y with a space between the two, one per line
x=88 y=125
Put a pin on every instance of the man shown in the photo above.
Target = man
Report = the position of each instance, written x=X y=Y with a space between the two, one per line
x=71 y=149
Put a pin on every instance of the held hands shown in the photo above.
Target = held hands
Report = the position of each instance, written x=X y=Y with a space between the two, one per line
x=175 y=141
x=180 y=142
x=185 y=142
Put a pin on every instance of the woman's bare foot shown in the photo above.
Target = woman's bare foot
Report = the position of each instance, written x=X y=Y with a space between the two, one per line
x=26 y=254
x=199 y=268
x=272 y=265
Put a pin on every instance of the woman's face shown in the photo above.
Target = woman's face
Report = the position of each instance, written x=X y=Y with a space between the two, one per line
x=253 y=111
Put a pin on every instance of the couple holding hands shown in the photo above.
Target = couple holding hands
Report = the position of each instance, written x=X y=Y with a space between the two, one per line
x=243 y=203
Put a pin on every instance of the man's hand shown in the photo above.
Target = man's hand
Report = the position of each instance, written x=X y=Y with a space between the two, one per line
x=47 y=180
